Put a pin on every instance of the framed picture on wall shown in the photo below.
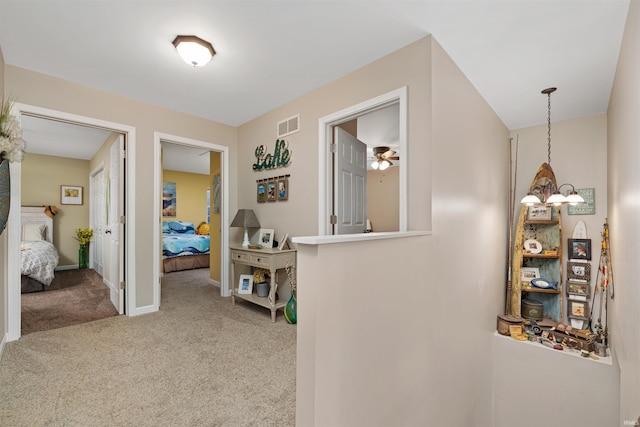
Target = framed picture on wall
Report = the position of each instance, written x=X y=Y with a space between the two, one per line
x=271 y=191
x=579 y=249
x=283 y=189
x=70 y=195
x=262 y=192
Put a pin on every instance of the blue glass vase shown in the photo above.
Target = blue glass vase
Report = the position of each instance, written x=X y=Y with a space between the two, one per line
x=290 y=310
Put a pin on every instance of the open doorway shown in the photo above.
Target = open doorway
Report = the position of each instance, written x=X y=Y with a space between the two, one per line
x=181 y=207
x=365 y=192
x=80 y=201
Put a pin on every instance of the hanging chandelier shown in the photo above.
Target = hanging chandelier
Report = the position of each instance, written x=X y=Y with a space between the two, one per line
x=551 y=193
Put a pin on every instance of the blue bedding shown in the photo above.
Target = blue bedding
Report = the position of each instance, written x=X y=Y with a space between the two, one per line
x=184 y=244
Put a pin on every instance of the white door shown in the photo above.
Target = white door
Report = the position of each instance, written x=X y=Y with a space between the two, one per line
x=350 y=183
x=98 y=223
x=116 y=221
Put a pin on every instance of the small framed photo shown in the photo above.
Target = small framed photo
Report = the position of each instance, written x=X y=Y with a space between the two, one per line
x=70 y=195
x=265 y=238
x=579 y=271
x=579 y=249
x=578 y=288
x=283 y=242
x=282 y=192
x=539 y=213
x=578 y=309
x=262 y=192
x=529 y=273
x=245 y=284
x=271 y=191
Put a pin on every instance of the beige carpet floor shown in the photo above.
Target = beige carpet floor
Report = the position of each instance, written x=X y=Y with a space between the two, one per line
x=199 y=361
x=75 y=297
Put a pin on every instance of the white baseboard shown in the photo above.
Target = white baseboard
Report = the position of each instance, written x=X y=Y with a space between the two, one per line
x=2 y=343
x=214 y=282
x=66 y=267
x=143 y=310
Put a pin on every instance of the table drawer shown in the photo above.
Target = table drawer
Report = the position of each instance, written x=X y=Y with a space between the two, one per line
x=239 y=256
x=261 y=260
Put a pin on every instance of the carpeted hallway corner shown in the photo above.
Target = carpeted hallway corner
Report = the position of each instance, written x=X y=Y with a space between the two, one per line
x=199 y=361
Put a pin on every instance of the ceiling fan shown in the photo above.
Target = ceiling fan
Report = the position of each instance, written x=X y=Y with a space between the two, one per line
x=383 y=156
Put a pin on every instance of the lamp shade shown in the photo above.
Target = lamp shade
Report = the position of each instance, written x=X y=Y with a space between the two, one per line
x=193 y=50
x=530 y=200
x=245 y=218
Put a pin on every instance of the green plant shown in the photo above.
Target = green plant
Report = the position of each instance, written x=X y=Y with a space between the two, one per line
x=83 y=235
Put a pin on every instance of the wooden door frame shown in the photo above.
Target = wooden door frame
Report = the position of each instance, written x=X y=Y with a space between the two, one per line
x=325 y=138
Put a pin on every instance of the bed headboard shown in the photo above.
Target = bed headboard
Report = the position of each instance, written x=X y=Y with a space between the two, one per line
x=36 y=215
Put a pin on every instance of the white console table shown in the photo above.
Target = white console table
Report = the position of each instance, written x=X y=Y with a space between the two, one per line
x=269 y=259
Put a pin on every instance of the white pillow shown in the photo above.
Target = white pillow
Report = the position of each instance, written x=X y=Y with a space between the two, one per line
x=34 y=232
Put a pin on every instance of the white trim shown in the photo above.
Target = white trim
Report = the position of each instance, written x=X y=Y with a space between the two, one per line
x=360 y=237
x=158 y=137
x=2 y=343
x=92 y=213
x=13 y=306
x=324 y=140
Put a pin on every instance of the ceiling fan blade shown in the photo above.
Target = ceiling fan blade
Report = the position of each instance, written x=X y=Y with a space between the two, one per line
x=388 y=153
x=393 y=158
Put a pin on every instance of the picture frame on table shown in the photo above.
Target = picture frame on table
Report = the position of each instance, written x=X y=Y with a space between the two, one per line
x=283 y=242
x=70 y=195
x=529 y=273
x=539 y=213
x=579 y=249
x=265 y=237
x=245 y=284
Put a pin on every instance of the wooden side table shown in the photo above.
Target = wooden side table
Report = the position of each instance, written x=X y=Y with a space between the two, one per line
x=270 y=259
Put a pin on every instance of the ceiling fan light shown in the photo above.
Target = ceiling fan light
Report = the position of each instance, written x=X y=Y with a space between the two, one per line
x=384 y=164
x=530 y=200
x=193 y=50
x=375 y=164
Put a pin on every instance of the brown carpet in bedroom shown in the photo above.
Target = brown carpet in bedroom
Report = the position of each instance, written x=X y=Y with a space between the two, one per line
x=75 y=297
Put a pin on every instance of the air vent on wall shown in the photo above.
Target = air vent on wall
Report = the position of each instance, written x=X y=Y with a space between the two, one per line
x=288 y=126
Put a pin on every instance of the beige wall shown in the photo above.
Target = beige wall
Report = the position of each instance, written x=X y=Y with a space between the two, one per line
x=191 y=196
x=623 y=179
x=42 y=177
x=383 y=199
x=49 y=92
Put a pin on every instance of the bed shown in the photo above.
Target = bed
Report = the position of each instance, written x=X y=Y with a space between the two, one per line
x=38 y=256
x=182 y=247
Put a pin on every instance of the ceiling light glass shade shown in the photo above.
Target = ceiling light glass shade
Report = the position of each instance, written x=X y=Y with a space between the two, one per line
x=574 y=198
x=375 y=164
x=384 y=164
x=193 y=50
x=530 y=200
x=557 y=199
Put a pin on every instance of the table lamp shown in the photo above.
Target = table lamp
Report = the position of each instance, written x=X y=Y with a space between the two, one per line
x=245 y=218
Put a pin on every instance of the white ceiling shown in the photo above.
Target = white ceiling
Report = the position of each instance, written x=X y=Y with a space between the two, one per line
x=272 y=51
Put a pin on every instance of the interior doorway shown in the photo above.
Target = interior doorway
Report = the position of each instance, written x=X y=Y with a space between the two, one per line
x=23 y=111
x=219 y=181
x=331 y=187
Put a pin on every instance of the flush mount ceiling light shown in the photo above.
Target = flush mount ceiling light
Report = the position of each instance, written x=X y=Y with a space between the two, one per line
x=551 y=193
x=193 y=50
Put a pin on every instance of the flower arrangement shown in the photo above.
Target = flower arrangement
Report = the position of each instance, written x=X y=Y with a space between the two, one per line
x=260 y=275
x=84 y=235
x=291 y=273
x=11 y=143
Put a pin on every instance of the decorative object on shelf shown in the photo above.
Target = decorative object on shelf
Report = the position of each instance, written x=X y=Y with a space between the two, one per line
x=265 y=237
x=83 y=236
x=291 y=309
x=261 y=280
x=193 y=50
x=11 y=150
x=539 y=213
x=284 y=243
x=579 y=249
x=589 y=205
x=281 y=156
x=506 y=320
x=532 y=246
x=532 y=309
x=550 y=193
x=529 y=273
x=262 y=289
x=544 y=284
x=245 y=284
x=245 y=218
